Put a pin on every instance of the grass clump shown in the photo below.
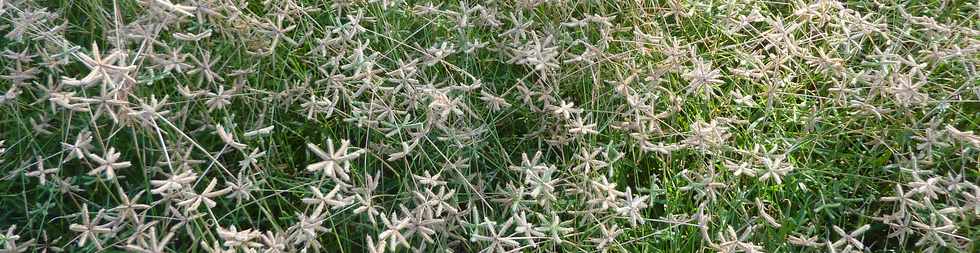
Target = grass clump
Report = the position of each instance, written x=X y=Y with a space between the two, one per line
x=495 y=126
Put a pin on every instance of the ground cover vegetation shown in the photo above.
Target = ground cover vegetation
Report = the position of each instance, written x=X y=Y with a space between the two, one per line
x=489 y=126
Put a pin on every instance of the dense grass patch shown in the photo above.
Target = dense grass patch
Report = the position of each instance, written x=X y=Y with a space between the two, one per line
x=495 y=126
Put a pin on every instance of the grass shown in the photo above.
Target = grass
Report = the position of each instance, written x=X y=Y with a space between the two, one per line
x=845 y=105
